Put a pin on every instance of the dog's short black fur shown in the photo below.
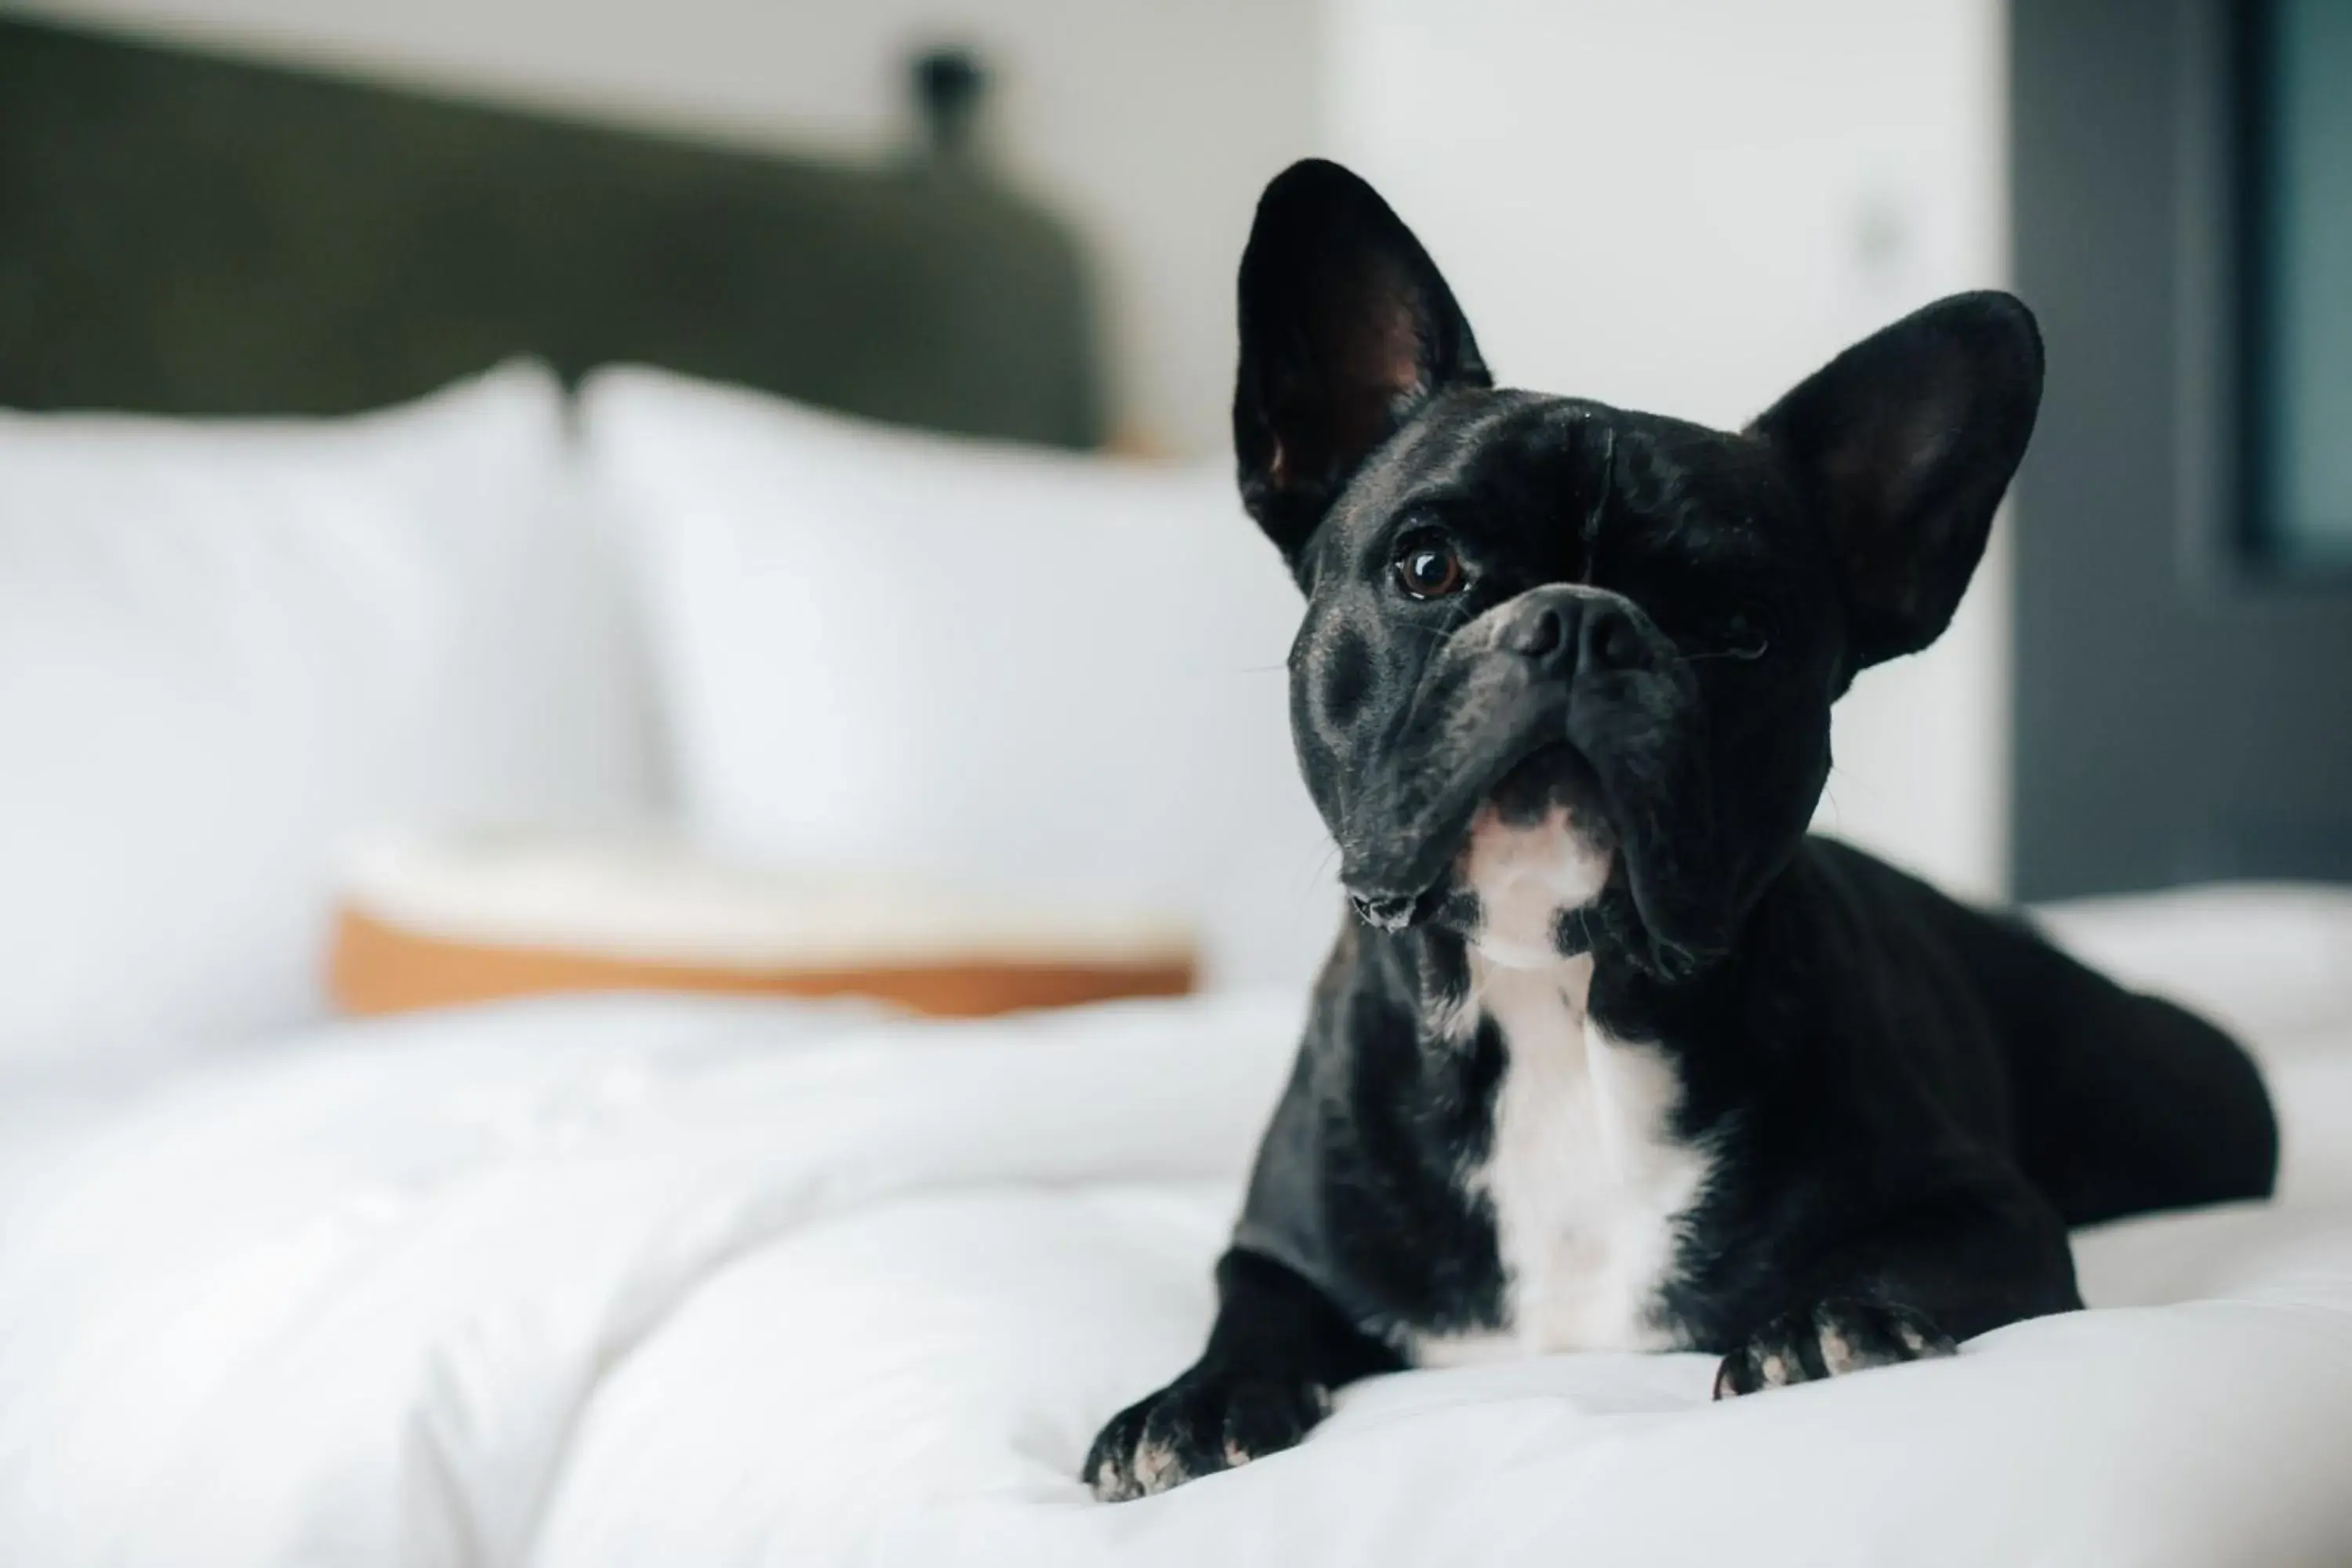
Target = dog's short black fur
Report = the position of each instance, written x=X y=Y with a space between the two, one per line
x=1612 y=1053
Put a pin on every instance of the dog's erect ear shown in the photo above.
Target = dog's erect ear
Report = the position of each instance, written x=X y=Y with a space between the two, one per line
x=1903 y=445
x=1346 y=329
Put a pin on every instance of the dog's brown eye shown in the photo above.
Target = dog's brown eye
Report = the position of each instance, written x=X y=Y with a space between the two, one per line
x=1429 y=568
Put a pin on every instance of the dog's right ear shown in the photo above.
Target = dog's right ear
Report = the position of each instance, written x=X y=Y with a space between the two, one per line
x=1347 y=328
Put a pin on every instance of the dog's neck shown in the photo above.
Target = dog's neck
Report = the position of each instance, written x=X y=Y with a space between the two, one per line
x=1610 y=968
x=1507 y=991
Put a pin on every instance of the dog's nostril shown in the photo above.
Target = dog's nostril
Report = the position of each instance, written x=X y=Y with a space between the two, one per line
x=1611 y=642
x=1540 y=636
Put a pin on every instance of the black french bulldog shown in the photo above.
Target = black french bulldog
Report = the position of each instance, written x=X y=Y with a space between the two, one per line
x=1614 y=1055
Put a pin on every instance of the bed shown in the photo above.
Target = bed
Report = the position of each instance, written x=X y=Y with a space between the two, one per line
x=643 y=1277
x=660 y=1280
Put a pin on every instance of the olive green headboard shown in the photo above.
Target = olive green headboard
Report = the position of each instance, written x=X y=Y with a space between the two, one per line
x=184 y=233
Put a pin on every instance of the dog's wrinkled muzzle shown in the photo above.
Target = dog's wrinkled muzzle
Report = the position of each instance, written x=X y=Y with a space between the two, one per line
x=1559 y=666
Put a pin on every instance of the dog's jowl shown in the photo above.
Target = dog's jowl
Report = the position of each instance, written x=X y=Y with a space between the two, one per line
x=1610 y=1054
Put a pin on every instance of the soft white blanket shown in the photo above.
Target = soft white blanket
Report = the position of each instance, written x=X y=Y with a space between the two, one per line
x=638 y=1281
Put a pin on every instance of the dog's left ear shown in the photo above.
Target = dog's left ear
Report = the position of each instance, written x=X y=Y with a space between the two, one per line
x=1903 y=445
x=1346 y=329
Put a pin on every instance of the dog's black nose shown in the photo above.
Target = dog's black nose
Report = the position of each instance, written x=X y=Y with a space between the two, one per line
x=1566 y=630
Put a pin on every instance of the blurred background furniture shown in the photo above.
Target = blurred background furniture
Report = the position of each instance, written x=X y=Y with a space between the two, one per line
x=244 y=205
x=185 y=233
x=182 y=233
x=479 y=919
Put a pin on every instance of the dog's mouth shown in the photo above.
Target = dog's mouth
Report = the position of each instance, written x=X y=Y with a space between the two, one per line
x=1405 y=878
x=1550 y=774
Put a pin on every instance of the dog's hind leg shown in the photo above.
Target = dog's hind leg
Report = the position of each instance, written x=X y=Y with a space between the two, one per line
x=2122 y=1103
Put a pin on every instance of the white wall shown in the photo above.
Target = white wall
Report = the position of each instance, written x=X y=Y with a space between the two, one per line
x=1151 y=124
x=1686 y=205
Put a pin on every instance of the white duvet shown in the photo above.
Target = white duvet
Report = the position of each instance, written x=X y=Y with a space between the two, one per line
x=647 y=1281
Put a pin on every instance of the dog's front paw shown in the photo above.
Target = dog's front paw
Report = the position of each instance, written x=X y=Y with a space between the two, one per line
x=1835 y=1336
x=1197 y=1425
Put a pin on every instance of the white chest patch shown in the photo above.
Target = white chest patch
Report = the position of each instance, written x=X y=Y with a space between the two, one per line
x=1588 y=1187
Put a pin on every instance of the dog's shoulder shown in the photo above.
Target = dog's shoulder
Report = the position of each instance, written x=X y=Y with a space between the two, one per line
x=1844 y=933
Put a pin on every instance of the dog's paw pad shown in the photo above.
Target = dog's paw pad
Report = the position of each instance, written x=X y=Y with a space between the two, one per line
x=1833 y=1338
x=1196 y=1427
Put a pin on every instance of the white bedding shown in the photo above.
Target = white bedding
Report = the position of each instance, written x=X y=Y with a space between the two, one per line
x=638 y=1280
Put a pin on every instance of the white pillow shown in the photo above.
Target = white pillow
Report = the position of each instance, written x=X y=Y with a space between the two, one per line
x=1010 y=668
x=227 y=646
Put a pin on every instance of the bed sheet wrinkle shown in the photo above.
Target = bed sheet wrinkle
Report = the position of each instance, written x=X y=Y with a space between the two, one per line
x=412 y=1375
